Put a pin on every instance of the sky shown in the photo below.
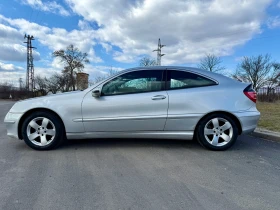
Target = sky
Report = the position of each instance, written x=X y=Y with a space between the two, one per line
x=118 y=33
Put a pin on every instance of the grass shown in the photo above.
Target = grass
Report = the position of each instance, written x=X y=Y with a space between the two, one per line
x=270 y=115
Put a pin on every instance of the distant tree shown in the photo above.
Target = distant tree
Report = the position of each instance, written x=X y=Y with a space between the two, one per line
x=53 y=83
x=110 y=73
x=146 y=61
x=56 y=82
x=211 y=63
x=73 y=60
x=6 y=90
x=63 y=80
x=258 y=70
x=41 y=84
x=273 y=78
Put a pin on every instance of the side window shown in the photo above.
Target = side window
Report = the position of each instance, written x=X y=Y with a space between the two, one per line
x=182 y=79
x=134 y=82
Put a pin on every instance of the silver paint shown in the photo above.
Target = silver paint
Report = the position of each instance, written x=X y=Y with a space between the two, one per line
x=160 y=114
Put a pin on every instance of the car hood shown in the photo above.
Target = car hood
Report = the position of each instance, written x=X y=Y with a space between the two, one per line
x=51 y=95
x=52 y=102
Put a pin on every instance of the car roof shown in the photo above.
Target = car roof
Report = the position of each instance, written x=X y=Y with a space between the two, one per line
x=221 y=79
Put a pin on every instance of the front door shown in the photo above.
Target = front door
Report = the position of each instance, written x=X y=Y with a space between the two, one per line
x=133 y=101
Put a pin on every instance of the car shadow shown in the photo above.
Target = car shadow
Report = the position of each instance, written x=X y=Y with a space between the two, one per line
x=129 y=143
x=242 y=144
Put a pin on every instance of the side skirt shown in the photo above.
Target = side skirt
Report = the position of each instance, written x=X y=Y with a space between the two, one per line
x=184 y=135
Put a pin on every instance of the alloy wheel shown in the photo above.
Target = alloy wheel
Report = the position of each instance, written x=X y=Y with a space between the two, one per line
x=41 y=131
x=218 y=132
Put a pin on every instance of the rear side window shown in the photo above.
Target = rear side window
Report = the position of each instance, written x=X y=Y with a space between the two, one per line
x=182 y=79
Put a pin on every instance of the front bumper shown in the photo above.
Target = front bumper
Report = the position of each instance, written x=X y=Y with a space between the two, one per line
x=11 y=121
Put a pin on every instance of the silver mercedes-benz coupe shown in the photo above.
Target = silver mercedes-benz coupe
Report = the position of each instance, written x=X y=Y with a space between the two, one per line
x=162 y=102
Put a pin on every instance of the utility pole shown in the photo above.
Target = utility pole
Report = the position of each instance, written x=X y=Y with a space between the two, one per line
x=30 y=67
x=159 y=55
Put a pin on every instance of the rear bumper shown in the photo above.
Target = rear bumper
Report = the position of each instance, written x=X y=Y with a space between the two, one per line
x=248 y=120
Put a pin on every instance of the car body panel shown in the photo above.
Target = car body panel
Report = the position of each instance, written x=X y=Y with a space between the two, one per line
x=131 y=112
x=67 y=106
x=187 y=106
x=136 y=115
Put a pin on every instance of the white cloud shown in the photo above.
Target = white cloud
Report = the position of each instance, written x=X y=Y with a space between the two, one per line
x=11 y=44
x=9 y=34
x=57 y=38
x=12 y=77
x=273 y=22
x=188 y=28
x=84 y=25
x=108 y=48
x=10 y=73
x=4 y=67
x=92 y=70
x=49 y=6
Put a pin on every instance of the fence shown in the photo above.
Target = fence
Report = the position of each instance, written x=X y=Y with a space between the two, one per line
x=269 y=94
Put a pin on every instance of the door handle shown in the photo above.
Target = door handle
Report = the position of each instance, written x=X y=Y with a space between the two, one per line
x=158 y=97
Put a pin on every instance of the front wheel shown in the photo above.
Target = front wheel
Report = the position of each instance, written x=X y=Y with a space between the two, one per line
x=43 y=131
x=217 y=132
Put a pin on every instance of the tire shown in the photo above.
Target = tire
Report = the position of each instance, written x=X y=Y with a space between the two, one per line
x=219 y=137
x=43 y=130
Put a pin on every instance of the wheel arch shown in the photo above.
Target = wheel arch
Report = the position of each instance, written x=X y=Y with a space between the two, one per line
x=34 y=110
x=236 y=120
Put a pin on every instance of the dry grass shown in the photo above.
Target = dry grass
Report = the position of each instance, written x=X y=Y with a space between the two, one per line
x=270 y=115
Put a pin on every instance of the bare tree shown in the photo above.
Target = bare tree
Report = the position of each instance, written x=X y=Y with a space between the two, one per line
x=6 y=90
x=56 y=82
x=53 y=84
x=211 y=63
x=41 y=84
x=256 y=70
x=110 y=73
x=73 y=60
x=273 y=78
x=146 y=61
x=63 y=81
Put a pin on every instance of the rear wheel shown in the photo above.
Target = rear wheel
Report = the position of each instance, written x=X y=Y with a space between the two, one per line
x=217 y=132
x=43 y=131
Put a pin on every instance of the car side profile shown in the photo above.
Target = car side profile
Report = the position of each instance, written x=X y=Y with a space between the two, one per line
x=162 y=102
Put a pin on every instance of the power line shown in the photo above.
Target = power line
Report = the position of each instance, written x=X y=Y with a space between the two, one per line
x=30 y=17
x=158 y=50
x=36 y=16
x=30 y=67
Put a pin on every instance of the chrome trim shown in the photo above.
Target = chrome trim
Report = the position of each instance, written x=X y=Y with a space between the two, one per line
x=180 y=116
x=78 y=120
x=9 y=121
x=185 y=135
x=170 y=117
x=119 y=118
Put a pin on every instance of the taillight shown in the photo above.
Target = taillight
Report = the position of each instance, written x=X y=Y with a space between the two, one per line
x=250 y=93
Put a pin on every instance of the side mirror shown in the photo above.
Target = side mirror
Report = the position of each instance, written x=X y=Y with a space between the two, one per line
x=96 y=93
